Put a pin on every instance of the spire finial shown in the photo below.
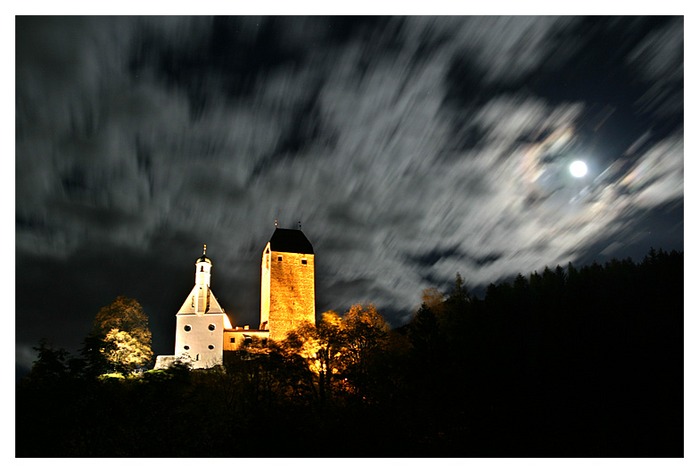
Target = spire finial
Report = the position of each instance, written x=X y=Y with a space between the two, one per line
x=204 y=252
x=276 y=222
x=299 y=224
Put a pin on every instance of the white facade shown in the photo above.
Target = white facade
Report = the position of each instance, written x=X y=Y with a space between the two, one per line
x=200 y=322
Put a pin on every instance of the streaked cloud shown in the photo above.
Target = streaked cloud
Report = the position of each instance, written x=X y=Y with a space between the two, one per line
x=410 y=148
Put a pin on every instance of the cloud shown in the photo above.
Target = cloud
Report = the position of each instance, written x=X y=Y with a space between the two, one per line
x=410 y=148
x=657 y=177
x=658 y=59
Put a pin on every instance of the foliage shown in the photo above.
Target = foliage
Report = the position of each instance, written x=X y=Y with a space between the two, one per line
x=321 y=347
x=50 y=365
x=124 y=314
x=93 y=361
x=125 y=352
x=120 y=339
x=340 y=351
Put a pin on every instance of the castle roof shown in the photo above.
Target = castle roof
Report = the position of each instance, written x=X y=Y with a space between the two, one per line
x=200 y=297
x=290 y=240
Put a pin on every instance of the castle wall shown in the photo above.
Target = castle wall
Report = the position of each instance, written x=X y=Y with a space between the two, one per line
x=235 y=339
x=200 y=337
x=289 y=288
x=265 y=288
x=164 y=362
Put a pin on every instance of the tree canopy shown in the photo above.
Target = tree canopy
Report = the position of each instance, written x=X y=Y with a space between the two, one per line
x=124 y=314
x=120 y=338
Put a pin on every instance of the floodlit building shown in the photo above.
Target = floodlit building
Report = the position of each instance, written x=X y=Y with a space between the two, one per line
x=287 y=298
x=287 y=295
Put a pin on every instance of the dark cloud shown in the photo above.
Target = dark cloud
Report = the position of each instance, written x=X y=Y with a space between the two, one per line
x=431 y=258
x=411 y=148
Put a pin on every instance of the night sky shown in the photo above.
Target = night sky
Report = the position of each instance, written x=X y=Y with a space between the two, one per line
x=410 y=148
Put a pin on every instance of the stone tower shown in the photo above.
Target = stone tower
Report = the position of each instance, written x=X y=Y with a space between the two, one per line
x=287 y=289
x=201 y=321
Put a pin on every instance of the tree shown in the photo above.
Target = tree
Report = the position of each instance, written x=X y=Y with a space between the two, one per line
x=366 y=338
x=454 y=314
x=339 y=350
x=322 y=347
x=125 y=352
x=433 y=299
x=424 y=335
x=50 y=365
x=124 y=314
x=366 y=331
x=459 y=291
x=120 y=337
x=92 y=356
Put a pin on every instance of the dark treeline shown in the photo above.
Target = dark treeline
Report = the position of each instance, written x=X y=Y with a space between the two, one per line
x=575 y=362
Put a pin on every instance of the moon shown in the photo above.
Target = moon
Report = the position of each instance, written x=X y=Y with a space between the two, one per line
x=578 y=169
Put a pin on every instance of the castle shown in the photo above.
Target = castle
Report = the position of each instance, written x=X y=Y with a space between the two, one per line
x=287 y=298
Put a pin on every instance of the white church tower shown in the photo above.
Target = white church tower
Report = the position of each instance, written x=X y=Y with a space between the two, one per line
x=201 y=321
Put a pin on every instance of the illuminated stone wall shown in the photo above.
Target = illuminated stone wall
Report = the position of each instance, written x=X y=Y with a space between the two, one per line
x=287 y=291
x=265 y=288
x=235 y=339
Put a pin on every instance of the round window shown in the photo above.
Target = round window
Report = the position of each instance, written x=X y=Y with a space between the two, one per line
x=187 y=348
x=212 y=327
x=211 y=347
x=188 y=328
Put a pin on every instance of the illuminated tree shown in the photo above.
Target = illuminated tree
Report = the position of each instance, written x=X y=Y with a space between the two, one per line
x=120 y=337
x=124 y=314
x=321 y=345
x=366 y=331
x=331 y=339
x=125 y=352
x=366 y=340
x=339 y=350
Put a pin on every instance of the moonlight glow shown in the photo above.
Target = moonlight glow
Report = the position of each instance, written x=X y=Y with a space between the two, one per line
x=578 y=169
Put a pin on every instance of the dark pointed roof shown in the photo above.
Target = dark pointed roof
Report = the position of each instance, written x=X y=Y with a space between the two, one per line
x=290 y=240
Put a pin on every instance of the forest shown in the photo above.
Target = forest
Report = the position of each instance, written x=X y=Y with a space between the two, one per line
x=567 y=362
